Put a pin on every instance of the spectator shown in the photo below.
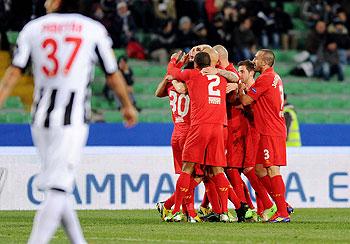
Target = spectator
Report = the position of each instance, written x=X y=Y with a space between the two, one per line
x=128 y=76
x=330 y=61
x=143 y=13
x=292 y=124
x=283 y=25
x=315 y=10
x=315 y=43
x=164 y=9
x=244 y=40
x=216 y=31
x=123 y=28
x=163 y=42
x=340 y=34
x=201 y=33
x=185 y=37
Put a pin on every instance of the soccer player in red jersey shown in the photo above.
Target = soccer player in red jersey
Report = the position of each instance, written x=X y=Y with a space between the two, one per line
x=266 y=95
x=205 y=142
x=246 y=143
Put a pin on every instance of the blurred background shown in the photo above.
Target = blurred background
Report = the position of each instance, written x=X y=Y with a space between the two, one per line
x=310 y=39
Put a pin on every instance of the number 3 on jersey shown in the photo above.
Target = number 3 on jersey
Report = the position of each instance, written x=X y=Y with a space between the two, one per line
x=179 y=103
x=51 y=45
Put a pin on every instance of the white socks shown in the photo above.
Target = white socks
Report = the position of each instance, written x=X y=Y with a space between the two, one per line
x=56 y=209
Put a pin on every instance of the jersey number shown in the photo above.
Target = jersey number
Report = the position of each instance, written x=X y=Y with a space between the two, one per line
x=177 y=101
x=215 y=81
x=51 y=45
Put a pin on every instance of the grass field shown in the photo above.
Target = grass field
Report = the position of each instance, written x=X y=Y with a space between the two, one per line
x=144 y=226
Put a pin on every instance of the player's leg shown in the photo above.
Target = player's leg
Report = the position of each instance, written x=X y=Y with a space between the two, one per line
x=71 y=225
x=279 y=191
x=258 y=187
x=48 y=218
x=182 y=186
x=60 y=151
x=189 y=200
x=235 y=179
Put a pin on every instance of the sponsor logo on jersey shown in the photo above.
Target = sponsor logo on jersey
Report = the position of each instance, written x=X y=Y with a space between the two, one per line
x=214 y=100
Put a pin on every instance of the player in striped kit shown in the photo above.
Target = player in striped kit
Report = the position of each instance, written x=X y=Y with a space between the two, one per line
x=63 y=47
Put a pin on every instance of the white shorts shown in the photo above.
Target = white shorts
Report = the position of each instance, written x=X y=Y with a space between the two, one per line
x=60 y=151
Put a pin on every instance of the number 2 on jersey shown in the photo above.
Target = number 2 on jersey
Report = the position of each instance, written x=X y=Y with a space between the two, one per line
x=52 y=45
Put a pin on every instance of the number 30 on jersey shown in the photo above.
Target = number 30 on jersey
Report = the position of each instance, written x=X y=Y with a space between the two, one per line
x=179 y=103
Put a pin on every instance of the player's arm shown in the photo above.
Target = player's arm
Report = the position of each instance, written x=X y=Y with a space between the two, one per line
x=8 y=82
x=229 y=75
x=114 y=78
x=180 y=87
x=117 y=83
x=161 y=90
x=243 y=97
x=176 y=73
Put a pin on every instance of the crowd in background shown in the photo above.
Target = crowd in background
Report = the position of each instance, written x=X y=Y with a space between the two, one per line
x=240 y=25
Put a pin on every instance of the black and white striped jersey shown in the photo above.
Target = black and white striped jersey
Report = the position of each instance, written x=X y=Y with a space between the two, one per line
x=63 y=49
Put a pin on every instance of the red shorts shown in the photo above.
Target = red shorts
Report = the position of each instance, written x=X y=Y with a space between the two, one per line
x=205 y=145
x=178 y=139
x=241 y=149
x=272 y=151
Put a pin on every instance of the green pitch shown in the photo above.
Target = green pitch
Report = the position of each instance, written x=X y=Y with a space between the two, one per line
x=144 y=226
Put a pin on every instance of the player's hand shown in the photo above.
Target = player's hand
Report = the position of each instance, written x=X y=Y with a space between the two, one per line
x=169 y=78
x=209 y=71
x=231 y=87
x=130 y=116
x=185 y=58
x=179 y=87
x=241 y=86
x=176 y=55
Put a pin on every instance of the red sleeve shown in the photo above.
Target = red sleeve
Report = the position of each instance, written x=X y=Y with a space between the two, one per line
x=178 y=74
x=260 y=87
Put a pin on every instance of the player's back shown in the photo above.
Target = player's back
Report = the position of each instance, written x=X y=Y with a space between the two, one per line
x=63 y=49
x=208 y=98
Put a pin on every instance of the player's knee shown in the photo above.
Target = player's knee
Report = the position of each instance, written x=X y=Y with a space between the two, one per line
x=273 y=171
x=260 y=171
x=217 y=170
x=188 y=167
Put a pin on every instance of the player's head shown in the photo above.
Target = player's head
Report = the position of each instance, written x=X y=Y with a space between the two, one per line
x=201 y=60
x=246 y=70
x=197 y=49
x=62 y=6
x=223 y=54
x=264 y=58
x=214 y=56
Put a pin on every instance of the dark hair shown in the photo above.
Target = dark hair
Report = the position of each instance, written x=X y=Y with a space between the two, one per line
x=202 y=59
x=268 y=56
x=248 y=64
x=69 y=6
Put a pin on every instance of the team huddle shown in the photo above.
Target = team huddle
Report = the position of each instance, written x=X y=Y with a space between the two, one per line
x=225 y=124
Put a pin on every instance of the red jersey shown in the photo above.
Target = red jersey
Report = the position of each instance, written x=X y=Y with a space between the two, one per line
x=234 y=115
x=180 y=106
x=207 y=93
x=267 y=93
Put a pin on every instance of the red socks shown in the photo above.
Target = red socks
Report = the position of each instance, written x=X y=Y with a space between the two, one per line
x=279 y=190
x=259 y=189
x=247 y=196
x=189 y=198
x=237 y=183
x=205 y=201
x=266 y=181
x=170 y=202
x=233 y=198
x=182 y=187
x=213 y=197
x=222 y=187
